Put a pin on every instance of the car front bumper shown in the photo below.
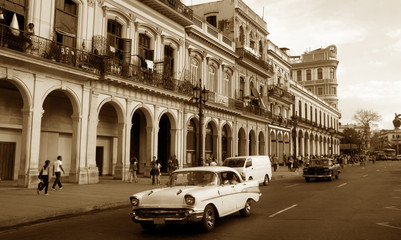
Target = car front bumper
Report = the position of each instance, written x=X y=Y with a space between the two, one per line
x=317 y=176
x=162 y=216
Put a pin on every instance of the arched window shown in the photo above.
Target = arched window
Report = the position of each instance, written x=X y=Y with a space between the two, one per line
x=144 y=47
x=319 y=73
x=300 y=109
x=168 y=65
x=226 y=88
x=241 y=88
x=260 y=48
x=195 y=71
x=251 y=41
x=241 y=36
x=212 y=83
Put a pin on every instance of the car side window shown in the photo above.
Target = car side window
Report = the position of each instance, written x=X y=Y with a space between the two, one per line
x=248 y=163
x=229 y=178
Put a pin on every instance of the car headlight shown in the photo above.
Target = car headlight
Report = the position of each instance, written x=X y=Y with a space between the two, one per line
x=189 y=200
x=134 y=201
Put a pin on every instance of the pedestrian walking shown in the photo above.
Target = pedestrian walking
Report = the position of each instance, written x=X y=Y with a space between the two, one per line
x=57 y=168
x=153 y=170
x=158 y=173
x=133 y=168
x=275 y=162
x=44 y=177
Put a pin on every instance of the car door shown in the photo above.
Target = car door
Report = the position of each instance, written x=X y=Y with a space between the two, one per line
x=230 y=193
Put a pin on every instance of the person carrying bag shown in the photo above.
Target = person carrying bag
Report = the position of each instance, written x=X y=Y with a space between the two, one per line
x=44 y=178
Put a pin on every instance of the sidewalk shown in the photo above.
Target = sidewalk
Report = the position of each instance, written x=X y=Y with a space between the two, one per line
x=21 y=206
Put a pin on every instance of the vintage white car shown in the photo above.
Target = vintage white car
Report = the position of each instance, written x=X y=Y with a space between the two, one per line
x=198 y=194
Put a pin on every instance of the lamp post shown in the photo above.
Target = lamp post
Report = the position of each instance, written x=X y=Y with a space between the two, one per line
x=331 y=130
x=201 y=96
x=294 y=132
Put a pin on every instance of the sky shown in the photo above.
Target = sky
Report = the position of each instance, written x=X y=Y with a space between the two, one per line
x=367 y=34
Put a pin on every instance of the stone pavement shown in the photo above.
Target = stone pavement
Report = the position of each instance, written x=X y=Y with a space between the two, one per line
x=22 y=206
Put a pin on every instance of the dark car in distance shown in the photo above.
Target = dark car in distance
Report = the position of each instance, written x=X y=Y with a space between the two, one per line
x=321 y=168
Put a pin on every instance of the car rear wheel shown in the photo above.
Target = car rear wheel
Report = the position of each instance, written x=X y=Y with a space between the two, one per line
x=246 y=211
x=266 y=180
x=209 y=218
x=307 y=179
x=148 y=226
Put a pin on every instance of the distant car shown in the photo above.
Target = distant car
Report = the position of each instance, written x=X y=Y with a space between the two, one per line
x=398 y=157
x=321 y=168
x=198 y=194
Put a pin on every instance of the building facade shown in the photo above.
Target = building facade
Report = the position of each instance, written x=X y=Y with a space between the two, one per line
x=117 y=82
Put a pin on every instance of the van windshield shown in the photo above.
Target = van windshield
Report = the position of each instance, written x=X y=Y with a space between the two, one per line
x=234 y=162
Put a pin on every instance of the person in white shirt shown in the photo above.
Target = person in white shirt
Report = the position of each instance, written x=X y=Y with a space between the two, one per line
x=57 y=168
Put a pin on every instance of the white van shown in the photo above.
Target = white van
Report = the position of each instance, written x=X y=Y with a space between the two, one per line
x=251 y=167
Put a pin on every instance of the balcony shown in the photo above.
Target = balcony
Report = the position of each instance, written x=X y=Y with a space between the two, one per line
x=281 y=94
x=173 y=9
x=46 y=49
x=249 y=59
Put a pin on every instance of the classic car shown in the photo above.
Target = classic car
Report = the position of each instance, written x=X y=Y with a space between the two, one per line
x=197 y=194
x=321 y=168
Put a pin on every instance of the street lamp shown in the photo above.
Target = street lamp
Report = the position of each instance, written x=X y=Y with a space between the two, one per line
x=331 y=130
x=294 y=132
x=201 y=96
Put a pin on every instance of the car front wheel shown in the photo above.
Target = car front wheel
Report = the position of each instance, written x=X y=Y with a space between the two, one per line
x=246 y=211
x=209 y=218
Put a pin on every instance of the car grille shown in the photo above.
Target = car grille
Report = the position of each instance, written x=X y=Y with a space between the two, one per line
x=161 y=213
x=315 y=171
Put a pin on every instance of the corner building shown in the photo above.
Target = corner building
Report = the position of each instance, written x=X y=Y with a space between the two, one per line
x=117 y=81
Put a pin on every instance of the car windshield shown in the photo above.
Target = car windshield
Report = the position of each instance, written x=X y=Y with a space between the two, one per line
x=322 y=162
x=234 y=162
x=193 y=178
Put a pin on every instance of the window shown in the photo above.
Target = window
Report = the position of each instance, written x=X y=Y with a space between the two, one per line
x=168 y=69
x=144 y=47
x=114 y=39
x=333 y=90
x=226 y=82
x=300 y=108
x=306 y=111
x=319 y=73
x=66 y=12
x=212 y=20
x=319 y=91
x=311 y=113
x=212 y=83
x=241 y=88
x=299 y=75
x=260 y=48
x=195 y=71
x=241 y=36
x=331 y=73
x=308 y=74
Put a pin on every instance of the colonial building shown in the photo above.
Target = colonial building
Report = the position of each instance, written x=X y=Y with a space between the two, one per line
x=118 y=81
x=317 y=71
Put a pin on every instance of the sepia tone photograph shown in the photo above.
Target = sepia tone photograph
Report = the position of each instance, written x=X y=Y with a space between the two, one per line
x=200 y=119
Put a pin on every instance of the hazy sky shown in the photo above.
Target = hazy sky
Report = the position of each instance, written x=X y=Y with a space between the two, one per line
x=367 y=34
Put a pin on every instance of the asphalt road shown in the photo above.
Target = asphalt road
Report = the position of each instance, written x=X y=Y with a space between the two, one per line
x=364 y=203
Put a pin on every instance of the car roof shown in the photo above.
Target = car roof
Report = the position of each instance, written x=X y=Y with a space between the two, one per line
x=207 y=168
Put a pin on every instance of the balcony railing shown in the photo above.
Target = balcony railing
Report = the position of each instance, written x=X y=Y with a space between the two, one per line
x=242 y=52
x=46 y=49
x=281 y=93
x=173 y=9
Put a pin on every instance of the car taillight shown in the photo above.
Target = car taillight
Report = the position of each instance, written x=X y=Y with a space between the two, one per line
x=189 y=200
x=134 y=201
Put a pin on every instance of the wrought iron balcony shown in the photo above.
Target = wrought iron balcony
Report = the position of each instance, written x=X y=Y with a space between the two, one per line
x=245 y=54
x=39 y=47
x=173 y=9
x=277 y=92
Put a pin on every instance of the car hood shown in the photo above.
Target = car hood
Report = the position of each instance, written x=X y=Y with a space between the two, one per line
x=170 y=197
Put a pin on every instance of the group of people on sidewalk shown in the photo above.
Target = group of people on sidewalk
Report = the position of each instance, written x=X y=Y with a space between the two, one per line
x=44 y=175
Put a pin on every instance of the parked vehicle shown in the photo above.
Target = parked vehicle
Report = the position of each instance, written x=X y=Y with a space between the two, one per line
x=198 y=194
x=251 y=167
x=322 y=168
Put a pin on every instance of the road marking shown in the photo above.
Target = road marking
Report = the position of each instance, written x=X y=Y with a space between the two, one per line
x=386 y=224
x=393 y=208
x=397 y=190
x=277 y=213
x=291 y=185
x=365 y=175
x=342 y=185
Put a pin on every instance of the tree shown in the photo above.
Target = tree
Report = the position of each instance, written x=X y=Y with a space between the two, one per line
x=367 y=118
x=351 y=137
